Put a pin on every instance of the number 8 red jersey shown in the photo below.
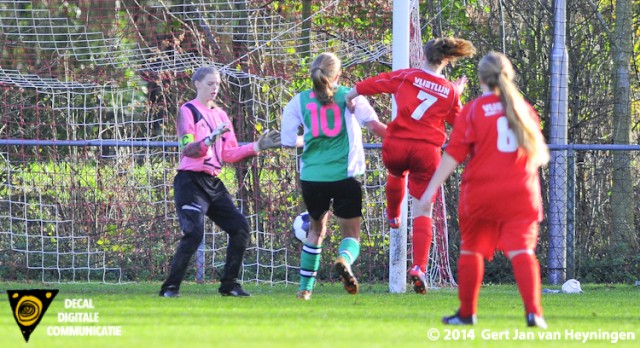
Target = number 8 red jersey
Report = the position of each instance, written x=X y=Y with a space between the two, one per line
x=425 y=100
x=497 y=182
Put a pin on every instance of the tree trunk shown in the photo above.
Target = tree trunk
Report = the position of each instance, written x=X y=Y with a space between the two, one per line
x=622 y=203
x=305 y=48
x=243 y=109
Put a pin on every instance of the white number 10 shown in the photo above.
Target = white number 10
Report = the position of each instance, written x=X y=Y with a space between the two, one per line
x=507 y=140
x=427 y=101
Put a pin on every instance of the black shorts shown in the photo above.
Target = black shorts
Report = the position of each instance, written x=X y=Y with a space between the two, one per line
x=197 y=195
x=346 y=195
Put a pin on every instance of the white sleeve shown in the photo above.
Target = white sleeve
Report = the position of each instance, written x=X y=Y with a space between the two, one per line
x=364 y=111
x=291 y=120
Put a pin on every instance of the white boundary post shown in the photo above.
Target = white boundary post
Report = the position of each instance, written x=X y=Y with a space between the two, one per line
x=398 y=238
x=557 y=213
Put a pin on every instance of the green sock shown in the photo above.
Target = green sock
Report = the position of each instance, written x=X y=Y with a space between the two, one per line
x=349 y=249
x=309 y=265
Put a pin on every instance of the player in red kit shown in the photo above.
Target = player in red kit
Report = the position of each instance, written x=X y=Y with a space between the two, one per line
x=412 y=147
x=500 y=202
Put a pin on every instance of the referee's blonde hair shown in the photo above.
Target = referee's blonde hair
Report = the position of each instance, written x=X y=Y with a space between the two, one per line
x=495 y=70
x=324 y=70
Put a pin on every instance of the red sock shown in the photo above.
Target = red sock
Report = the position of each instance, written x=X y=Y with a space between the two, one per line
x=395 y=193
x=422 y=236
x=526 y=270
x=470 y=274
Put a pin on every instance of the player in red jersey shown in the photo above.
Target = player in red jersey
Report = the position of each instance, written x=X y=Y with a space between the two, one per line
x=500 y=200
x=425 y=100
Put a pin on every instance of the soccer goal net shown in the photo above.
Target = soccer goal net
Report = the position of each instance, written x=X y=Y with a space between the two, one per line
x=89 y=91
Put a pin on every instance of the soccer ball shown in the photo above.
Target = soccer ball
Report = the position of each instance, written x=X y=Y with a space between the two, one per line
x=301 y=226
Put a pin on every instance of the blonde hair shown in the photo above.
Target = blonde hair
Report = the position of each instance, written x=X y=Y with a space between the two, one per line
x=495 y=70
x=324 y=70
x=436 y=50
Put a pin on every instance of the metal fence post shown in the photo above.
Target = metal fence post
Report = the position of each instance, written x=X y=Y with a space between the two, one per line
x=571 y=214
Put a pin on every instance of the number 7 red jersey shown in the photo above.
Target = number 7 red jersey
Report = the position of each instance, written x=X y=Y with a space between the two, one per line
x=425 y=100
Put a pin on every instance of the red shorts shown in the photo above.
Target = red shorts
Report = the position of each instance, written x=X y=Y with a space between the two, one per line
x=485 y=236
x=417 y=157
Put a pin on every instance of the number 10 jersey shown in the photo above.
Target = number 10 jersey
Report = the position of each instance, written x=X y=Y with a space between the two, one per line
x=333 y=147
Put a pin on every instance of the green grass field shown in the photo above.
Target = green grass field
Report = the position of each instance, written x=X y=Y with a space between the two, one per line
x=273 y=317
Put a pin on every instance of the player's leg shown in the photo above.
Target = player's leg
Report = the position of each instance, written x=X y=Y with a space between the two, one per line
x=421 y=241
x=190 y=207
x=479 y=238
x=311 y=255
x=394 y=157
x=347 y=206
x=421 y=167
x=225 y=214
x=519 y=242
x=470 y=274
x=394 y=192
x=349 y=248
x=318 y=202
x=348 y=252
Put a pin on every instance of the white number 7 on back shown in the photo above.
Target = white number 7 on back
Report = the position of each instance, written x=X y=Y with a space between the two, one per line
x=427 y=101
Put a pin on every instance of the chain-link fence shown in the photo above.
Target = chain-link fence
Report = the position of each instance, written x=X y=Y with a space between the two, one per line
x=600 y=224
x=116 y=222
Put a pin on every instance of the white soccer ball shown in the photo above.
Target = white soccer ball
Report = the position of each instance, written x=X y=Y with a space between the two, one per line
x=301 y=226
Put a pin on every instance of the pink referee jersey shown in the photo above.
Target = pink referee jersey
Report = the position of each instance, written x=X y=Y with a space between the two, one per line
x=211 y=158
x=497 y=183
x=425 y=100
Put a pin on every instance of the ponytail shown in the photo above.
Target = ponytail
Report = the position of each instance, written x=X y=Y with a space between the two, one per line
x=324 y=71
x=496 y=71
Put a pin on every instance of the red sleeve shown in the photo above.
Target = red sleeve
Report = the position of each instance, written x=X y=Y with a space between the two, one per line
x=382 y=83
x=462 y=136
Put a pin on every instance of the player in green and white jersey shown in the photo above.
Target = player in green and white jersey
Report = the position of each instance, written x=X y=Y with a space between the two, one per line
x=332 y=158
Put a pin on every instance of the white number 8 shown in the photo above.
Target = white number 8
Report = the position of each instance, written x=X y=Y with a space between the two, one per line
x=507 y=140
